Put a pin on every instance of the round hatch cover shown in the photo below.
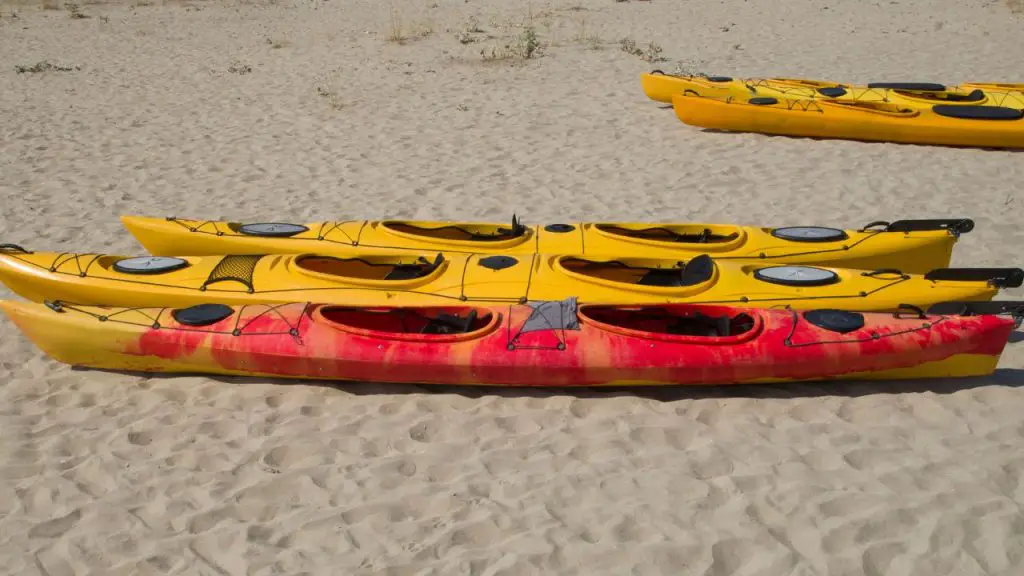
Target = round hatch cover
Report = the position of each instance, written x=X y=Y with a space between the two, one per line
x=498 y=262
x=149 y=265
x=559 y=228
x=202 y=314
x=809 y=234
x=272 y=229
x=840 y=321
x=796 y=276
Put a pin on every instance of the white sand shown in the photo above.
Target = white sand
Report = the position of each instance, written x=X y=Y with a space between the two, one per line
x=109 y=474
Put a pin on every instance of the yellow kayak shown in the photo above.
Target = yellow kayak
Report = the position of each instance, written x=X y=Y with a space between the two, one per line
x=408 y=279
x=661 y=87
x=984 y=126
x=912 y=245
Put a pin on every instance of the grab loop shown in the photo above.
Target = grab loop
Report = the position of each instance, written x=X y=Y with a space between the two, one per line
x=911 y=308
x=13 y=248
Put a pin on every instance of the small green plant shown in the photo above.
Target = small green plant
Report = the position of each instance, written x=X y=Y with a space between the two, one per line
x=651 y=54
x=526 y=46
x=45 y=66
x=529 y=44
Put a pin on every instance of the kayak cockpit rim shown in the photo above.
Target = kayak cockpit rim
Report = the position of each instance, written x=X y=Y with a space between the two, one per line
x=708 y=237
x=432 y=324
x=654 y=276
x=466 y=234
x=373 y=270
x=679 y=323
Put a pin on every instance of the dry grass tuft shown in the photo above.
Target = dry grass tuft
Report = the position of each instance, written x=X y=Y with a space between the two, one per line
x=1016 y=6
x=240 y=68
x=75 y=12
x=401 y=32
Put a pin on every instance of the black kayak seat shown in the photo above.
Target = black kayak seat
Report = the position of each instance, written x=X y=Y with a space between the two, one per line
x=978 y=112
x=973 y=96
x=697 y=271
x=910 y=86
x=762 y=101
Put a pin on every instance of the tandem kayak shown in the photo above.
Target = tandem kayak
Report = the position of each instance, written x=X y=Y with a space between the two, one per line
x=910 y=245
x=983 y=126
x=424 y=279
x=545 y=343
x=661 y=87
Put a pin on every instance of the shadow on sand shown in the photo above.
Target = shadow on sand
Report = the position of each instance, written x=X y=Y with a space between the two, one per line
x=1008 y=377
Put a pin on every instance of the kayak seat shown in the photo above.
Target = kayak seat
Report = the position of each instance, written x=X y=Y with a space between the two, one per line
x=710 y=326
x=450 y=324
x=696 y=271
x=414 y=271
x=978 y=112
x=974 y=96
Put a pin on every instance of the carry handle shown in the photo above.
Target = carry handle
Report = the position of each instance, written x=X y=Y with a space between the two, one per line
x=881 y=271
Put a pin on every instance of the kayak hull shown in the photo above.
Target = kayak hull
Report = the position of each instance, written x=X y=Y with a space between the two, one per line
x=910 y=245
x=427 y=279
x=873 y=123
x=662 y=87
x=593 y=345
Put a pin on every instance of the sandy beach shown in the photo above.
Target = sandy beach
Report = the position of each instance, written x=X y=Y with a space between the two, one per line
x=473 y=110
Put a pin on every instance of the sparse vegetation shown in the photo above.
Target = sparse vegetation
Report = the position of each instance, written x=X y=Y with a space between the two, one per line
x=45 y=66
x=651 y=54
x=240 y=68
x=526 y=46
x=75 y=12
x=471 y=34
x=325 y=91
x=592 y=41
x=1016 y=6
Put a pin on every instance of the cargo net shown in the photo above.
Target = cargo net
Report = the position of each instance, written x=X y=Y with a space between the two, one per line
x=234 y=268
x=546 y=326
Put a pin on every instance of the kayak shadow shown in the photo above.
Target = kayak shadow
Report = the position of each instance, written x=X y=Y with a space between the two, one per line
x=1006 y=377
x=881 y=143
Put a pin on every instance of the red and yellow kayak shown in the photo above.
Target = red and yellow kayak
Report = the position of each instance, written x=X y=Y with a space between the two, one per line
x=984 y=126
x=544 y=343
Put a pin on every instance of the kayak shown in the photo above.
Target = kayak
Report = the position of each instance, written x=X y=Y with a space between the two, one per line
x=911 y=245
x=661 y=87
x=543 y=343
x=432 y=279
x=984 y=126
